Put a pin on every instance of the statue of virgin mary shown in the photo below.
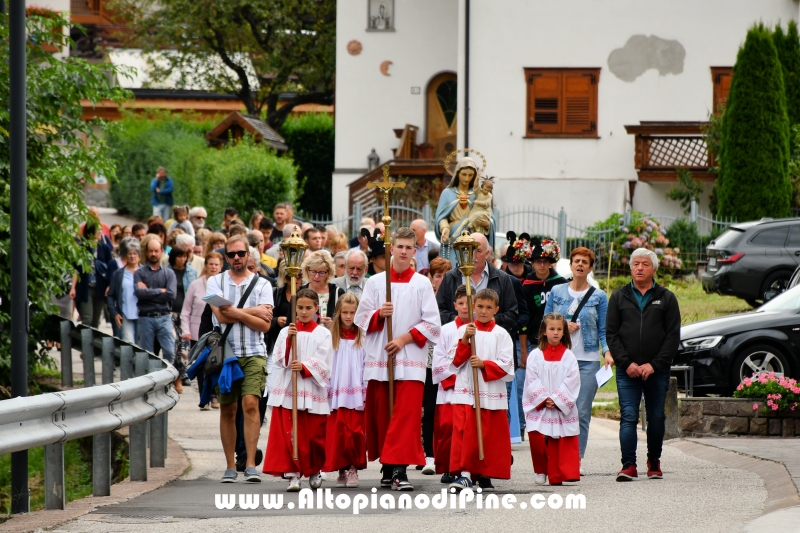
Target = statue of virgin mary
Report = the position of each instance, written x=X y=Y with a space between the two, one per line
x=456 y=201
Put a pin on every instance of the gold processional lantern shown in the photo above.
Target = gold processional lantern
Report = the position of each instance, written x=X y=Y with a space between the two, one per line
x=465 y=247
x=293 y=249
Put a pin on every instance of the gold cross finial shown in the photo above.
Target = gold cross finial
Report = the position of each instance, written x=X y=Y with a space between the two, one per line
x=386 y=185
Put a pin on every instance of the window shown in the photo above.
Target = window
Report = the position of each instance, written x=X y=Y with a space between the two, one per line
x=721 y=77
x=772 y=237
x=794 y=237
x=562 y=102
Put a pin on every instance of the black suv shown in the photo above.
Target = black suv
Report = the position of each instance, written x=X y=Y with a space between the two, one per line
x=752 y=259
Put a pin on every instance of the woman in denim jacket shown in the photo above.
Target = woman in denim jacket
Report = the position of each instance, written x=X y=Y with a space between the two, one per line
x=588 y=331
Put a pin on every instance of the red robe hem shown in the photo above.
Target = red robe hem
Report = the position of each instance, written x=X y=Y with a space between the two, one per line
x=397 y=441
x=496 y=443
x=558 y=458
x=310 y=440
x=346 y=441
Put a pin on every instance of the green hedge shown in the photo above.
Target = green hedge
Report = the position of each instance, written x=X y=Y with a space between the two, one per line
x=246 y=176
x=310 y=138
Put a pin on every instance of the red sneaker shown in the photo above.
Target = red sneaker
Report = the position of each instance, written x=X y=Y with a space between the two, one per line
x=629 y=473
x=654 y=470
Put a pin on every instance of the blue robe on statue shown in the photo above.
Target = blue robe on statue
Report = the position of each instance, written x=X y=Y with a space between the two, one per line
x=447 y=202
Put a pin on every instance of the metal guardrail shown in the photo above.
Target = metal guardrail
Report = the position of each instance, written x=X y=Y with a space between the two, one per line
x=140 y=400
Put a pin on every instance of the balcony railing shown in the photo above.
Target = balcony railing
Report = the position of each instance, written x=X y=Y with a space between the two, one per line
x=663 y=147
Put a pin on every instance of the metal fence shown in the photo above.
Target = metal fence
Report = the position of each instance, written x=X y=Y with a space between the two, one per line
x=140 y=400
x=402 y=215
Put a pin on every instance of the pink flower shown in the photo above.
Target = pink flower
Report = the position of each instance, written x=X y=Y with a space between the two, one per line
x=747 y=382
x=739 y=387
x=755 y=406
x=774 y=406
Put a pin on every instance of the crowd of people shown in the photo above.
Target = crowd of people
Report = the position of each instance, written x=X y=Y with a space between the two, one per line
x=531 y=326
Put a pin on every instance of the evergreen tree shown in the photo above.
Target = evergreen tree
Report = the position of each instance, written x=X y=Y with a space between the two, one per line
x=754 y=180
x=788 y=45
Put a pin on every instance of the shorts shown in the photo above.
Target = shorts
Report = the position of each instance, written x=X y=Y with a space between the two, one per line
x=255 y=379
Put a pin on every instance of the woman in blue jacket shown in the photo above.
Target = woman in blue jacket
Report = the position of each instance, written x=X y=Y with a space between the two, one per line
x=587 y=330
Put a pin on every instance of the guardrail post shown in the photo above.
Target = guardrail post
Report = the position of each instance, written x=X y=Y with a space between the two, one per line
x=55 y=496
x=101 y=464
x=158 y=432
x=87 y=349
x=66 y=353
x=125 y=363
x=138 y=432
x=108 y=360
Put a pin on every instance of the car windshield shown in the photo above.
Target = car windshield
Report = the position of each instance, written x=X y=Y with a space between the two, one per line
x=727 y=238
x=786 y=301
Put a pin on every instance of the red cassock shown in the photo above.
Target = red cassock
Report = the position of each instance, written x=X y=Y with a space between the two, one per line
x=496 y=443
x=310 y=443
x=442 y=437
x=399 y=441
x=558 y=458
x=345 y=444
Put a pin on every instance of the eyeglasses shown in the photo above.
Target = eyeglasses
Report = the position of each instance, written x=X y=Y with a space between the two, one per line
x=240 y=253
x=198 y=216
x=317 y=273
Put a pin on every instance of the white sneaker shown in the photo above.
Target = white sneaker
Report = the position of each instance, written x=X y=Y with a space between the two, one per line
x=294 y=485
x=540 y=479
x=323 y=476
x=315 y=481
x=429 y=469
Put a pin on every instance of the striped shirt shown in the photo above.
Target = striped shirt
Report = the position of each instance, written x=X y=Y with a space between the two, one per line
x=244 y=342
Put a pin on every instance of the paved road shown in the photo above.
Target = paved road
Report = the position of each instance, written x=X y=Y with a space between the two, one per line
x=696 y=495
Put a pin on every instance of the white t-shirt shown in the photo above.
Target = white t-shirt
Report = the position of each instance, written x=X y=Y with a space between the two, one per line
x=577 y=338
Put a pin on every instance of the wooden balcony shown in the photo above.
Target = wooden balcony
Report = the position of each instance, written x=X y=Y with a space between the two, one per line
x=663 y=147
x=87 y=12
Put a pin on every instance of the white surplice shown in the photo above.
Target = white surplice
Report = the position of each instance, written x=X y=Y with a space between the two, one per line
x=495 y=345
x=414 y=308
x=346 y=387
x=315 y=352
x=442 y=358
x=559 y=381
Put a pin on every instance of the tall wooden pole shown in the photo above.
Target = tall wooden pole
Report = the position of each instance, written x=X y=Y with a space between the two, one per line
x=295 y=454
x=475 y=382
x=386 y=187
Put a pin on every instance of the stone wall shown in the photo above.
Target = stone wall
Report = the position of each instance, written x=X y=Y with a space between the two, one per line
x=704 y=417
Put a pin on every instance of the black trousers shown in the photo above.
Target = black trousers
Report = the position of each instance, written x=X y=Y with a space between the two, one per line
x=428 y=412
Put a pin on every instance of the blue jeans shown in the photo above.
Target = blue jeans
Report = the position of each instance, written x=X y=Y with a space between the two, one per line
x=151 y=328
x=630 y=392
x=163 y=210
x=519 y=376
x=588 y=369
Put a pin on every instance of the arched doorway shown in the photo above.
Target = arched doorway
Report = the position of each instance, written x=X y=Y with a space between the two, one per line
x=441 y=116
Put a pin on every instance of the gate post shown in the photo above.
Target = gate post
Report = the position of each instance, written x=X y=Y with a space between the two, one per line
x=356 y=219
x=693 y=211
x=562 y=229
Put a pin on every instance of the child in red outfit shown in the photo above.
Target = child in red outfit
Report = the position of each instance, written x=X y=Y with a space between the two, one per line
x=552 y=384
x=494 y=360
x=313 y=364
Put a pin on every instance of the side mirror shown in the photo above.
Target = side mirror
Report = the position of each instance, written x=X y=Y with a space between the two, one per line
x=769 y=295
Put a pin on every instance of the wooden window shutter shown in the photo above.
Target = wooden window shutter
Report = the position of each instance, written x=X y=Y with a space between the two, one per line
x=580 y=103
x=544 y=103
x=721 y=77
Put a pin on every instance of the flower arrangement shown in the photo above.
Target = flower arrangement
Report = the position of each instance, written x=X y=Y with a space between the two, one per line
x=649 y=234
x=781 y=393
x=522 y=251
x=550 y=249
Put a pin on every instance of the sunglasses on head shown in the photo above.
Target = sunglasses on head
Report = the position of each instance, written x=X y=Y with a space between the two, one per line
x=240 y=253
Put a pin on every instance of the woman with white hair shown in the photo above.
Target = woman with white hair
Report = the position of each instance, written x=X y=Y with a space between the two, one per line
x=585 y=309
x=122 y=302
x=319 y=270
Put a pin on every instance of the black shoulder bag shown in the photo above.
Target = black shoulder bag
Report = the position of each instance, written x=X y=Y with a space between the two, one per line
x=216 y=358
x=583 y=301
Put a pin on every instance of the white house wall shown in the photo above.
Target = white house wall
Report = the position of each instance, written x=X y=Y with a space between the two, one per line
x=368 y=104
x=508 y=35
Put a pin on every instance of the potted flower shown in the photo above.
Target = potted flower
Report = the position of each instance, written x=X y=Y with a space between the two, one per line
x=778 y=393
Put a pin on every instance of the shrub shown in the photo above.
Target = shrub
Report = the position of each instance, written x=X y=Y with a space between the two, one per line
x=310 y=138
x=645 y=233
x=788 y=47
x=684 y=235
x=753 y=180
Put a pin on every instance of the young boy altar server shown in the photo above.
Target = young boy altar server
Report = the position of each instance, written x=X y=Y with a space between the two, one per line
x=494 y=360
x=396 y=440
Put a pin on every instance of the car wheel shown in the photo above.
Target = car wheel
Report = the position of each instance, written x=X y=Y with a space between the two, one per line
x=758 y=358
x=775 y=282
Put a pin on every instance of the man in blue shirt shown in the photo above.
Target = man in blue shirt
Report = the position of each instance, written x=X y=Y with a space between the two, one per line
x=162 y=201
